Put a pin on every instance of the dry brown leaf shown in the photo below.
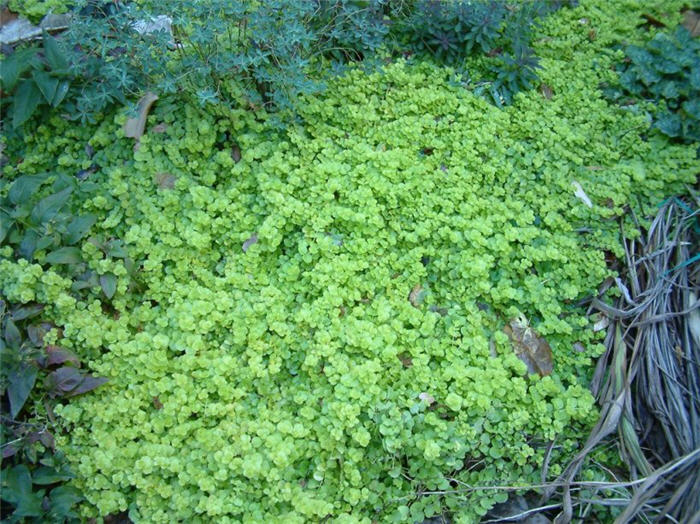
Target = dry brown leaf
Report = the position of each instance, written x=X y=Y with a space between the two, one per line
x=406 y=360
x=159 y=128
x=532 y=349
x=165 y=180
x=236 y=153
x=601 y=322
x=653 y=21
x=581 y=194
x=414 y=297
x=691 y=21
x=6 y=16
x=427 y=398
x=546 y=91
x=157 y=403
x=579 y=348
x=252 y=240
x=134 y=127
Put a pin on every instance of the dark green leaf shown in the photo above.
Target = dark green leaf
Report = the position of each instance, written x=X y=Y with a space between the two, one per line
x=108 y=282
x=13 y=338
x=64 y=255
x=6 y=224
x=45 y=475
x=88 y=384
x=47 y=208
x=13 y=66
x=26 y=100
x=62 y=499
x=28 y=244
x=16 y=483
x=46 y=84
x=63 y=380
x=20 y=384
x=78 y=228
x=30 y=505
x=61 y=92
x=24 y=187
x=669 y=124
x=47 y=241
x=53 y=53
x=26 y=312
x=57 y=355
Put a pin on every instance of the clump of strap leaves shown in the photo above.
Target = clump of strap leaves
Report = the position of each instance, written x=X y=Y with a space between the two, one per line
x=648 y=381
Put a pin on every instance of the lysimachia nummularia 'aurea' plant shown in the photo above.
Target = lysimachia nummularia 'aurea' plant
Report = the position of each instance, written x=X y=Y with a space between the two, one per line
x=319 y=325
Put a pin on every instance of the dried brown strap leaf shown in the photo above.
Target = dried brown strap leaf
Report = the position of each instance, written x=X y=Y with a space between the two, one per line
x=134 y=127
x=532 y=349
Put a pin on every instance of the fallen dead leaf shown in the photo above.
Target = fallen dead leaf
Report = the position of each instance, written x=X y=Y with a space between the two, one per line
x=236 y=153
x=6 y=16
x=691 y=21
x=252 y=240
x=406 y=360
x=532 y=349
x=134 y=127
x=601 y=322
x=157 y=403
x=159 y=128
x=579 y=348
x=546 y=91
x=414 y=297
x=165 y=180
x=652 y=21
x=427 y=398
x=580 y=193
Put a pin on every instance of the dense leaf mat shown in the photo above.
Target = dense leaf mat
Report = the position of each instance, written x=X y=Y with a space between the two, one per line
x=318 y=329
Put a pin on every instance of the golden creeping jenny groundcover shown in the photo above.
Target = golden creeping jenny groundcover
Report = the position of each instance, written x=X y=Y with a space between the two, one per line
x=293 y=379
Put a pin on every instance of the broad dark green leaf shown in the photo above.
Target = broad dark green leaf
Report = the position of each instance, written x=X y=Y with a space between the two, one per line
x=45 y=475
x=47 y=208
x=13 y=66
x=62 y=499
x=108 y=282
x=13 y=338
x=6 y=224
x=64 y=255
x=61 y=92
x=26 y=100
x=29 y=311
x=24 y=187
x=78 y=228
x=30 y=505
x=47 y=241
x=88 y=384
x=27 y=245
x=16 y=483
x=20 y=383
x=53 y=53
x=63 y=380
x=46 y=84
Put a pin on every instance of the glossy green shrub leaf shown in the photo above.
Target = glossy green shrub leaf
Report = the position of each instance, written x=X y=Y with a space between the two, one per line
x=54 y=55
x=64 y=255
x=47 y=208
x=47 y=475
x=46 y=84
x=26 y=99
x=24 y=187
x=12 y=67
x=20 y=383
x=16 y=484
x=62 y=499
x=108 y=283
x=78 y=228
